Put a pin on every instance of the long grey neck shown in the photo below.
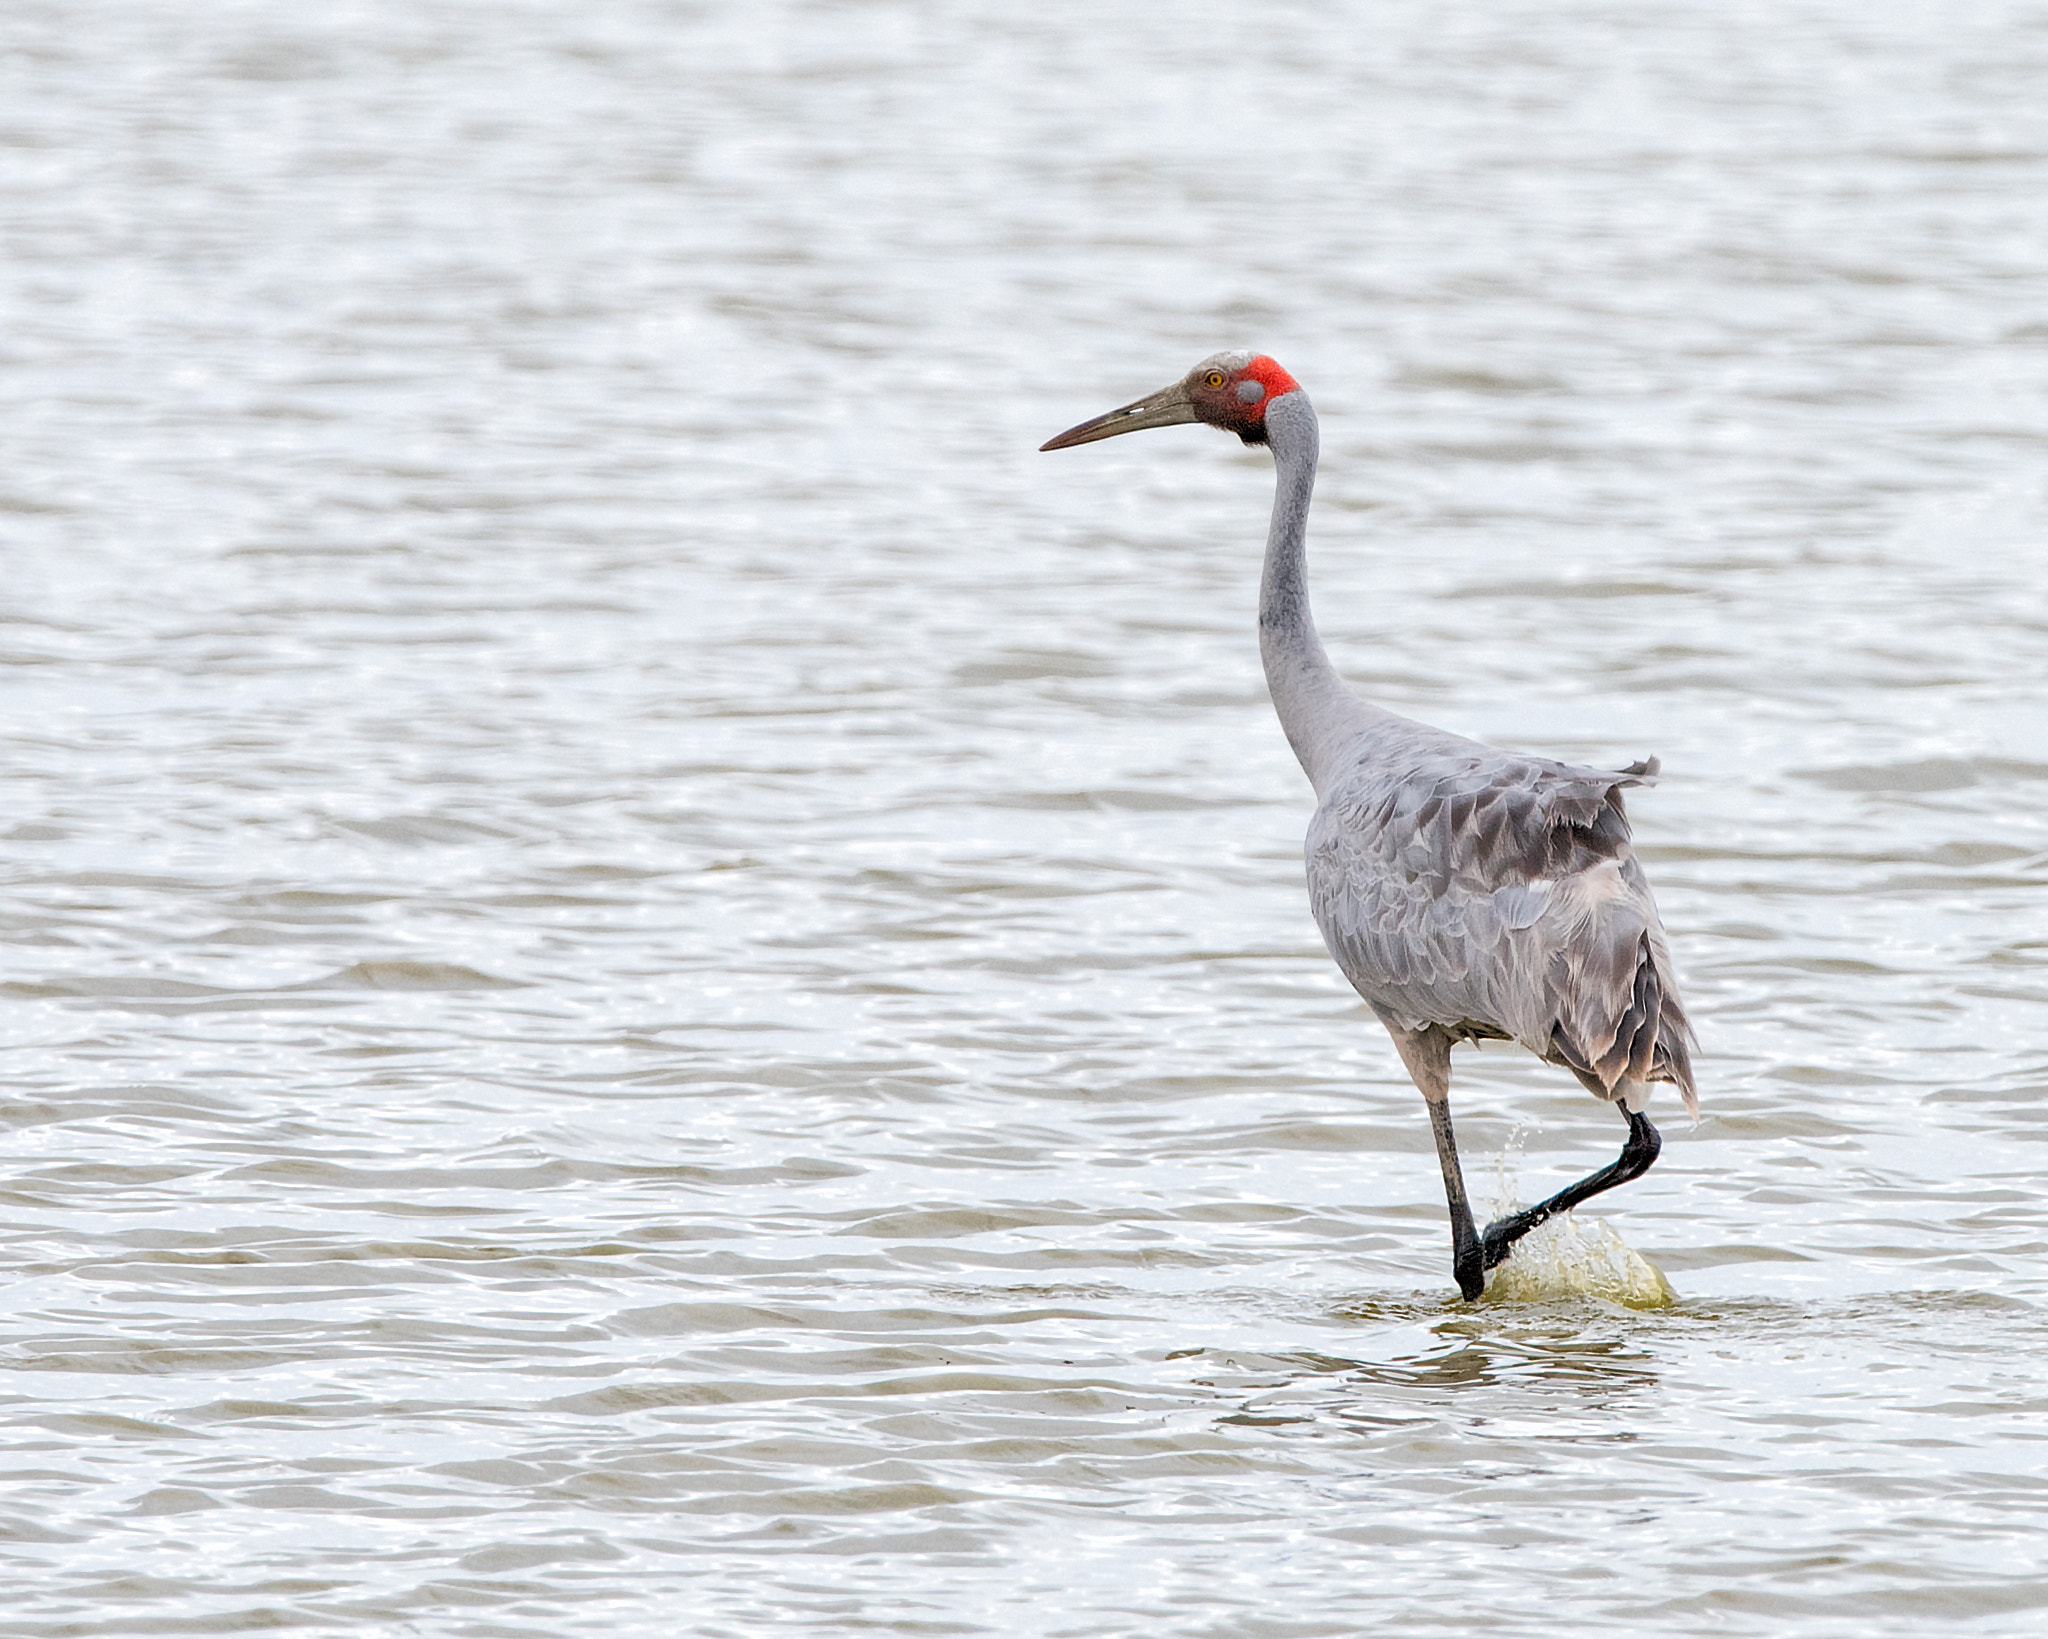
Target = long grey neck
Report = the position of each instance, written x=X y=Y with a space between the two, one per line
x=1321 y=716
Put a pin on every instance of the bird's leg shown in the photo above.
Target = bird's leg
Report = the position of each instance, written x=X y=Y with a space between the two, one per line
x=1427 y=1053
x=1468 y=1264
x=1636 y=1156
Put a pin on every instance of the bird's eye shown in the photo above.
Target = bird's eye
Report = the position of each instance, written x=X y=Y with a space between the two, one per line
x=1214 y=378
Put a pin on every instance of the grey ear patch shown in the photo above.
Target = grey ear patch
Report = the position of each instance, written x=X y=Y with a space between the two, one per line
x=1250 y=392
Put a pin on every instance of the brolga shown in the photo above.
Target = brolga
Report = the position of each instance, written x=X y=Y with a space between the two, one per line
x=1467 y=893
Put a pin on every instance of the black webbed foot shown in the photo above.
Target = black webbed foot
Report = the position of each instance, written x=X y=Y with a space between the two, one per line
x=1469 y=1266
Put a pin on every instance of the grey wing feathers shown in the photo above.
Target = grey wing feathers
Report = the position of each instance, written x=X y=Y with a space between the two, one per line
x=1497 y=895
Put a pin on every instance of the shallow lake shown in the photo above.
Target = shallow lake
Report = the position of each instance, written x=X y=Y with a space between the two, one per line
x=656 y=981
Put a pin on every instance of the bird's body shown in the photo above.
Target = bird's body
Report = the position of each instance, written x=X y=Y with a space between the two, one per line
x=1466 y=892
x=1491 y=895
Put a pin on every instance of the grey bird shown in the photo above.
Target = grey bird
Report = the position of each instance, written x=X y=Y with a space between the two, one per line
x=1467 y=893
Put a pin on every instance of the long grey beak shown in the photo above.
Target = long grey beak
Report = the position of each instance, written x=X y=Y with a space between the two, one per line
x=1169 y=407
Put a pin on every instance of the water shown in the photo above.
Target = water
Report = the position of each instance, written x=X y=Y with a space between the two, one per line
x=658 y=982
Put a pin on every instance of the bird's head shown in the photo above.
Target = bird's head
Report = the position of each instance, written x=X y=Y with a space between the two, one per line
x=1228 y=390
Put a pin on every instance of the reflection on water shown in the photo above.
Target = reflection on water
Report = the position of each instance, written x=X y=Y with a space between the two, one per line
x=657 y=983
x=1542 y=1359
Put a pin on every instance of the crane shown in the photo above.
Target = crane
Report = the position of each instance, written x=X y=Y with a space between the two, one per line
x=1466 y=892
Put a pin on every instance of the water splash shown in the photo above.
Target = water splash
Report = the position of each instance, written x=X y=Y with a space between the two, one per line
x=1568 y=1257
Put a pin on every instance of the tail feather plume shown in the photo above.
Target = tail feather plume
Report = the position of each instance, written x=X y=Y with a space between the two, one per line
x=1647 y=1039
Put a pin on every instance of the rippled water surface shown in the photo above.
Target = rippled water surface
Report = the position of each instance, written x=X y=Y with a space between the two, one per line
x=656 y=981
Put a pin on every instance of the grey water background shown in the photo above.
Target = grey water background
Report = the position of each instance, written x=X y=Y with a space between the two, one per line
x=656 y=981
